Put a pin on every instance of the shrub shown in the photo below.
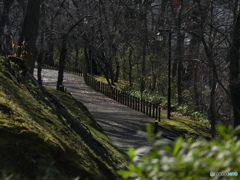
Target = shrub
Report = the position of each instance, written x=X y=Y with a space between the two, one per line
x=185 y=159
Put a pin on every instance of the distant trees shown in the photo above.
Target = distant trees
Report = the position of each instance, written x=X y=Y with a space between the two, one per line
x=117 y=39
x=5 y=15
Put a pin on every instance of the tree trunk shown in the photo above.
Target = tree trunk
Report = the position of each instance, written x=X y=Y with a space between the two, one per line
x=40 y=60
x=49 y=54
x=179 y=83
x=117 y=71
x=33 y=13
x=143 y=72
x=180 y=42
x=111 y=73
x=76 y=55
x=234 y=81
x=195 y=88
x=212 y=109
x=49 y=59
x=63 y=54
x=21 y=36
x=87 y=60
x=179 y=67
x=62 y=58
x=130 y=67
x=179 y=52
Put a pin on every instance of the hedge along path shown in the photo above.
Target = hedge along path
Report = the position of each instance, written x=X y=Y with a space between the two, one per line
x=120 y=123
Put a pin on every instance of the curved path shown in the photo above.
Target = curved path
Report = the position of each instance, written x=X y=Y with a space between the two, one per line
x=120 y=123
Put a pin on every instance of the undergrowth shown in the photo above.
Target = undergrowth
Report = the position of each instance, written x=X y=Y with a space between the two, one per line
x=186 y=160
x=184 y=120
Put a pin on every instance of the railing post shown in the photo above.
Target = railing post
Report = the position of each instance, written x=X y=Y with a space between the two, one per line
x=116 y=94
x=144 y=103
x=153 y=111
x=150 y=110
x=107 y=90
x=121 y=97
x=155 y=127
x=136 y=103
x=92 y=82
x=89 y=80
x=156 y=112
x=159 y=113
x=133 y=102
x=103 y=88
x=95 y=84
x=112 y=93
x=130 y=102
x=147 y=104
x=138 y=100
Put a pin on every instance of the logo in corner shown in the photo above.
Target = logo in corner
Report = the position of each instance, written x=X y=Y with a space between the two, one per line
x=212 y=174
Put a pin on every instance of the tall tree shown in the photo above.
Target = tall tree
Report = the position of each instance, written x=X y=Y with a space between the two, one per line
x=234 y=79
x=30 y=32
x=63 y=52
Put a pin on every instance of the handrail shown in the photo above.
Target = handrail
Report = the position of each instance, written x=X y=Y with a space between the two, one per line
x=124 y=98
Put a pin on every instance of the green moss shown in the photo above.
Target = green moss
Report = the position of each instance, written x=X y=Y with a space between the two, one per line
x=119 y=85
x=37 y=143
x=79 y=111
x=183 y=125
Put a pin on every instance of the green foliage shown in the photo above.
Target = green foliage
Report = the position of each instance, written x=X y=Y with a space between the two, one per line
x=162 y=101
x=36 y=142
x=201 y=117
x=147 y=96
x=185 y=160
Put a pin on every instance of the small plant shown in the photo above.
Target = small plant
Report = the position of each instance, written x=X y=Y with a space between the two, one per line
x=185 y=160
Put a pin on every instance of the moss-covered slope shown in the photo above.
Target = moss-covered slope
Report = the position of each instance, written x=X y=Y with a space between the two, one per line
x=37 y=142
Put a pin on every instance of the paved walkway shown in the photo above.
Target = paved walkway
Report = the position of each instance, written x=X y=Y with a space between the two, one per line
x=120 y=123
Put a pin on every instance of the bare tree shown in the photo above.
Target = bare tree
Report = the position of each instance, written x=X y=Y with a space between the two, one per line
x=30 y=32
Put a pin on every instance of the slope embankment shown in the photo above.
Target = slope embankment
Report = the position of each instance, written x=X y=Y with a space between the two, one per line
x=40 y=138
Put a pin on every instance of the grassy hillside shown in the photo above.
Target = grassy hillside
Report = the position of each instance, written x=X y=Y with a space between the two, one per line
x=37 y=141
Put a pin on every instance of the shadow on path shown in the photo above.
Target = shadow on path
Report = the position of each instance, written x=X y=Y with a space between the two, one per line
x=120 y=123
